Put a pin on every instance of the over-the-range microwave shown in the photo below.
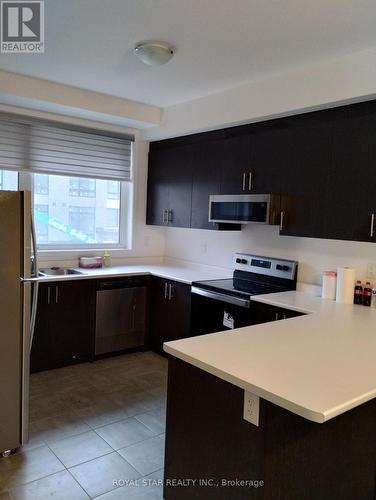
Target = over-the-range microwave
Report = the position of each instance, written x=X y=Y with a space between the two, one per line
x=245 y=209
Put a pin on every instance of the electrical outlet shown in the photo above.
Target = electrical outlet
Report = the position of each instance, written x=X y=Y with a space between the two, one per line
x=251 y=408
x=371 y=270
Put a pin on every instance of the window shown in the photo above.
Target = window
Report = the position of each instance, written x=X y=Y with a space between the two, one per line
x=110 y=227
x=82 y=187
x=8 y=180
x=112 y=217
x=41 y=229
x=80 y=178
x=41 y=183
x=74 y=221
x=113 y=190
x=82 y=219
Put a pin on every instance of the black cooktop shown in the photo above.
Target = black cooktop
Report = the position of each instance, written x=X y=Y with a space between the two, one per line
x=238 y=287
x=253 y=275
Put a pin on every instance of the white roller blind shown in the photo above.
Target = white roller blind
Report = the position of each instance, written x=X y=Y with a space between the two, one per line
x=53 y=149
x=14 y=140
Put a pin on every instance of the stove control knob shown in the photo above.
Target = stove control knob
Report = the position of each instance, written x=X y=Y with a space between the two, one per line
x=280 y=267
x=244 y=261
x=238 y=261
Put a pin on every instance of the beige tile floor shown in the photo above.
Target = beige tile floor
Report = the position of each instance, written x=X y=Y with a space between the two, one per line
x=96 y=431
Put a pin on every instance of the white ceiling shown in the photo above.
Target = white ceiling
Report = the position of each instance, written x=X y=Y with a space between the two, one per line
x=220 y=43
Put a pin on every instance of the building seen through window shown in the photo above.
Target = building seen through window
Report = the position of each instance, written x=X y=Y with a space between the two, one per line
x=79 y=211
x=8 y=180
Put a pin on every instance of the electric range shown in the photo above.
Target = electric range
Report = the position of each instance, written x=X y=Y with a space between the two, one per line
x=227 y=302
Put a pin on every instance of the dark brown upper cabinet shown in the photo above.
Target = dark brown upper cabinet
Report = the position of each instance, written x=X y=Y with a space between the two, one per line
x=321 y=163
x=256 y=161
x=236 y=175
x=170 y=187
x=352 y=180
x=270 y=157
x=208 y=165
x=305 y=184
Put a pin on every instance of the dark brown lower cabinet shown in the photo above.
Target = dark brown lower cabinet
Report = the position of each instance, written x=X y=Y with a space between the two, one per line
x=64 y=330
x=210 y=448
x=170 y=312
x=263 y=313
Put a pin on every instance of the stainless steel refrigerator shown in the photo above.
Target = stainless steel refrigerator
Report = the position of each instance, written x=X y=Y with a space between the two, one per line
x=18 y=299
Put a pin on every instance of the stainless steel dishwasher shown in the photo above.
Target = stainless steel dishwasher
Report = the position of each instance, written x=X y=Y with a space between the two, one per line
x=120 y=314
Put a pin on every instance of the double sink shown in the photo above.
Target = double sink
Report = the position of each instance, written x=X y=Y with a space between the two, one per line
x=59 y=271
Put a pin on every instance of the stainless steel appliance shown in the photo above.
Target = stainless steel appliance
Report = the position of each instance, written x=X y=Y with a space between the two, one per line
x=18 y=266
x=120 y=314
x=245 y=209
x=226 y=303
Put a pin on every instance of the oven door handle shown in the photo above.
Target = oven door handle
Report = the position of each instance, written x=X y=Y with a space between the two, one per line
x=230 y=299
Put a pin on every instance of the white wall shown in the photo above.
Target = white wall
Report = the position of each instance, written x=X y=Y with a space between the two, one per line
x=314 y=255
x=148 y=241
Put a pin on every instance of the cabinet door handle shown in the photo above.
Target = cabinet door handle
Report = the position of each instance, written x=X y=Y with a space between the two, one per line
x=170 y=292
x=56 y=294
x=372 y=224
x=169 y=216
x=250 y=187
x=284 y=316
x=165 y=290
x=276 y=316
x=48 y=295
x=281 y=222
x=164 y=216
x=244 y=175
x=133 y=317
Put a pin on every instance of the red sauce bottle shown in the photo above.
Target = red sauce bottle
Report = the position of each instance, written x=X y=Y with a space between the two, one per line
x=367 y=294
x=358 y=293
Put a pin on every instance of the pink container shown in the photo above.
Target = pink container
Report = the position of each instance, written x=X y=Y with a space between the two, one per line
x=90 y=262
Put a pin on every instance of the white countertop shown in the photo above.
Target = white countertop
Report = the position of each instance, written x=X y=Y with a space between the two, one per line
x=317 y=366
x=177 y=273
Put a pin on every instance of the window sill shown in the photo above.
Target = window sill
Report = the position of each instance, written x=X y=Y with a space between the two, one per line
x=73 y=254
x=42 y=251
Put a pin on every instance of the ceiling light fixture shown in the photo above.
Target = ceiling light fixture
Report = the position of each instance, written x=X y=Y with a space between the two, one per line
x=154 y=53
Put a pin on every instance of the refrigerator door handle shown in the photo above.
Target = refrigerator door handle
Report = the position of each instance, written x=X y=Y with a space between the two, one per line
x=34 y=244
x=26 y=339
x=34 y=306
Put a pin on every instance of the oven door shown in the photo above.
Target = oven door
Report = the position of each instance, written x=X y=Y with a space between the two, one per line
x=216 y=312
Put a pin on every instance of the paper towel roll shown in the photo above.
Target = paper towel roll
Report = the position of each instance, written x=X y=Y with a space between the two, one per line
x=345 y=285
